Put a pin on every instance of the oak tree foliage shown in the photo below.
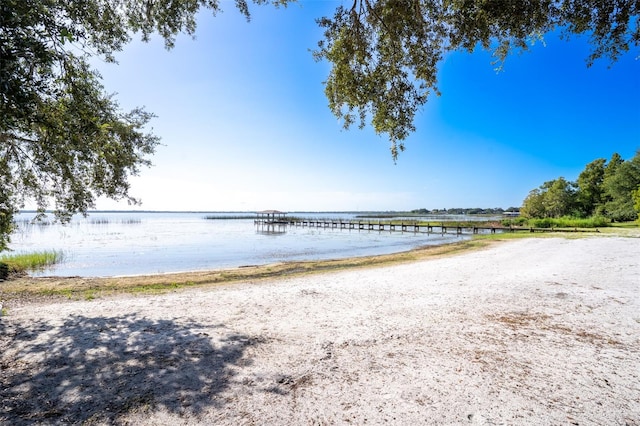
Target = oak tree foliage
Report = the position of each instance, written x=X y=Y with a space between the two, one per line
x=608 y=189
x=64 y=141
x=590 y=191
x=619 y=191
x=385 y=54
x=555 y=198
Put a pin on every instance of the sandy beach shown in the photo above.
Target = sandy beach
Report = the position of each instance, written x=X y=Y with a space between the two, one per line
x=532 y=331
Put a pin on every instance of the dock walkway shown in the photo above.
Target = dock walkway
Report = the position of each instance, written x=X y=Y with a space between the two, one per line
x=418 y=227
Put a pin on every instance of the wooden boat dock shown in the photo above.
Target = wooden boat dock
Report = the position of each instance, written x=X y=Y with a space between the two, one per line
x=418 y=227
x=268 y=218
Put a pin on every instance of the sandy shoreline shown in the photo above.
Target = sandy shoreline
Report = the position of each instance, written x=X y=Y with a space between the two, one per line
x=534 y=331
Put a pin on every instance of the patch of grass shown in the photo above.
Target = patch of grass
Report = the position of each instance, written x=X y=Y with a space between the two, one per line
x=625 y=225
x=64 y=292
x=628 y=229
x=569 y=233
x=501 y=236
x=90 y=294
x=26 y=262
x=158 y=287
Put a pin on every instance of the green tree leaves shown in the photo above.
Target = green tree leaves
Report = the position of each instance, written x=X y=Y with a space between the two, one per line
x=385 y=53
x=635 y=195
x=608 y=189
x=590 y=187
x=384 y=56
x=533 y=205
x=554 y=198
x=619 y=188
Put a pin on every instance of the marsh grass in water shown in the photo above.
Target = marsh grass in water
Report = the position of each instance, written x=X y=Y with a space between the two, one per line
x=99 y=221
x=229 y=217
x=26 y=262
x=31 y=223
x=106 y=221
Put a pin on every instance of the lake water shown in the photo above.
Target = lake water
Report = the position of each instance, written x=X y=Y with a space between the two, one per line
x=134 y=243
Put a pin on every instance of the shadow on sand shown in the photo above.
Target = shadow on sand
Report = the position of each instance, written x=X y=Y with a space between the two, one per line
x=96 y=369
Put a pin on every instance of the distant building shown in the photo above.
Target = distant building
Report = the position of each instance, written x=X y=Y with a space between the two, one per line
x=511 y=214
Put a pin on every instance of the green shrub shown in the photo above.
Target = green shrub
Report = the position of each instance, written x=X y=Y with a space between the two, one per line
x=518 y=221
x=570 y=222
x=546 y=222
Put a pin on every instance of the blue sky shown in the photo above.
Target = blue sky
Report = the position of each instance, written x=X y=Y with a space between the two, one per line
x=245 y=125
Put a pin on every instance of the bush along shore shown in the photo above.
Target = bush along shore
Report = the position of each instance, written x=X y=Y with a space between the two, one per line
x=562 y=222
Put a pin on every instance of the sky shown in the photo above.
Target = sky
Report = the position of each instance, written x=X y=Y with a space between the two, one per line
x=245 y=124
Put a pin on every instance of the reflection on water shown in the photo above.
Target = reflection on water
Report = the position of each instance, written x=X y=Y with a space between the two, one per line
x=270 y=228
x=132 y=243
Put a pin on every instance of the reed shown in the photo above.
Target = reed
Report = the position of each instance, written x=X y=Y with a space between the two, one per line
x=99 y=221
x=25 y=262
x=131 y=221
x=229 y=217
x=106 y=221
x=32 y=223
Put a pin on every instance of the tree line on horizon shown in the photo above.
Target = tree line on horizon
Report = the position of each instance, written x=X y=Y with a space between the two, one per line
x=473 y=210
x=606 y=189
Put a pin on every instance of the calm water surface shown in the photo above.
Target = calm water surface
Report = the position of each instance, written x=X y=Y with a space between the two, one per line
x=133 y=243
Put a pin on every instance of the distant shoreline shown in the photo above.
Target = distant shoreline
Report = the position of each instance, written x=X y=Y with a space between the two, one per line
x=218 y=211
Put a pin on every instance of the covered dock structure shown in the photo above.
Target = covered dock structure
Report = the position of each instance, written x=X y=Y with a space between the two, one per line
x=271 y=222
x=271 y=217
